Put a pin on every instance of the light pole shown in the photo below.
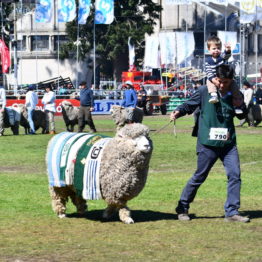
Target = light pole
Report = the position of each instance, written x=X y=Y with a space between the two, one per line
x=15 y=51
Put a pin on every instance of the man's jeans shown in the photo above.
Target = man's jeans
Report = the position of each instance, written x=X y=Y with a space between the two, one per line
x=207 y=156
x=30 y=119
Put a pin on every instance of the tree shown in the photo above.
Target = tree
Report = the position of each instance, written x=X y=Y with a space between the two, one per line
x=132 y=19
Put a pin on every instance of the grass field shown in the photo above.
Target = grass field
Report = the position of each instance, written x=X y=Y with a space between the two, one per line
x=30 y=231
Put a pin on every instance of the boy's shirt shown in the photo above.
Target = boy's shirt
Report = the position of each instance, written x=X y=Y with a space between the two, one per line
x=212 y=63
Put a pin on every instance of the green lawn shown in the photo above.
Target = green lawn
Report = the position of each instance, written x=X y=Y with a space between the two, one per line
x=30 y=231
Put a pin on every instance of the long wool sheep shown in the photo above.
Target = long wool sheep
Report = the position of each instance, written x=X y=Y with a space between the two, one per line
x=85 y=166
x=70 y=115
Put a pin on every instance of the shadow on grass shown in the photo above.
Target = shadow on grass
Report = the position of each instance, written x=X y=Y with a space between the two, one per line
x=253 y=214
x=138 y=215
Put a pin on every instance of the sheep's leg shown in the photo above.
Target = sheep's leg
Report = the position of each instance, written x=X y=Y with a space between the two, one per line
x=79 y=202
x=109 y=211
x=125 y=215
x=58 y=201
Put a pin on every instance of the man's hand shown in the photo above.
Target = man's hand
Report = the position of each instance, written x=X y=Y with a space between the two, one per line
x=174 y=115
x=2 y=110
x=91 y=109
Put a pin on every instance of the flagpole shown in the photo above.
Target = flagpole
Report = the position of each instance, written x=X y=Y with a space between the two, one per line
x=15 y=52
x=205 y=21
x=77 y=55
x=94 y=58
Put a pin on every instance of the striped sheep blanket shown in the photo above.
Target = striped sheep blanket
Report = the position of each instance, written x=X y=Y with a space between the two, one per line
x=74 y=159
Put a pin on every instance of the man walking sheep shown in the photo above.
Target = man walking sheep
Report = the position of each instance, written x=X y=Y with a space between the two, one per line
x=86 y=107
x=31 y=100
x=49 y=107
x=216 y=139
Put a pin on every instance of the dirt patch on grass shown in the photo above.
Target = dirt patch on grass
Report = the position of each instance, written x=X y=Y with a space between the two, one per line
x=19 y=169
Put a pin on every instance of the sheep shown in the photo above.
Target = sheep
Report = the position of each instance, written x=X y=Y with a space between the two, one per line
x=39 y=119
x=11 y=119
x=254 y=116
x=119 y=115
x=121 y=172
x=70 y=115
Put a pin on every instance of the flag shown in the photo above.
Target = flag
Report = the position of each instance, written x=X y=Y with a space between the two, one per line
x=247 y=11
x=131 y=50
x=167 y=48
x=44 y=10
x=83 y=11
x=66 y=10
x=5 y=56
x=178 y=2
x=228 y=37
x=151 y=52
x=104 y=13
x=185 y=46
x=220 y=2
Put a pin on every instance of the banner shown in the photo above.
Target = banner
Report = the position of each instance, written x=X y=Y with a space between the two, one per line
x=102 y=107
x=104 y=13
x=227 y=37
x=151 y=59
x=131 y=50
x=167 y=48
x=44 y=10
x=83 y=11
x=185 y=46
x=5 y=56
x=66 y=10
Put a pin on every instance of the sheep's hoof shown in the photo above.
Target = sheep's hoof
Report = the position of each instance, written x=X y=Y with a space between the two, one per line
x=61 y=215
x=129 y=220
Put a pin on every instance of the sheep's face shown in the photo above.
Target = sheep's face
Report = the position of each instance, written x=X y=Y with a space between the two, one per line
x=142 y=144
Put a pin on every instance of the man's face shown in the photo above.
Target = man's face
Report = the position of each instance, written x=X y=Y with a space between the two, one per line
x=214 y=50
x=224 y=83
x=82 y=86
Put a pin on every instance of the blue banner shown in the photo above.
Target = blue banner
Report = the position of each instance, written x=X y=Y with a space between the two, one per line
x=66 y=10
x=83 y=11
x=43 y=12
x=104 y=12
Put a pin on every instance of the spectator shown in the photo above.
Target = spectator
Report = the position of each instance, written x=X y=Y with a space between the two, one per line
x=50 y=108
x=259 y=96
x=248 y=100
x=86 y=107
x=130 y=101
x=2 y=109
x=31 y=100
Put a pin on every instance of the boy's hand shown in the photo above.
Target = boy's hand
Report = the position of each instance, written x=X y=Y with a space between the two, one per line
x=215 y=82
x=228 y=47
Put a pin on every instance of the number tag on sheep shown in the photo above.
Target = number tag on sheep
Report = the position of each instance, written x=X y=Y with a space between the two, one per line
x=84 y=166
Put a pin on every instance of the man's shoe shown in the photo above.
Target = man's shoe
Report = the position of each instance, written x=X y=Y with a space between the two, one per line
x=213 y=100
x=237 y=218
x=182 y=214
x=183 y=217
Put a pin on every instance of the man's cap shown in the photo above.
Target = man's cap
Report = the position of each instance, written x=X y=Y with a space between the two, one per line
x=83 y=83
x=129 y=83
x=246 y=83
x=31 y=87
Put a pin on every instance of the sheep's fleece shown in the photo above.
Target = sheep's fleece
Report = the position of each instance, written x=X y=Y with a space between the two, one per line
x=122 y=174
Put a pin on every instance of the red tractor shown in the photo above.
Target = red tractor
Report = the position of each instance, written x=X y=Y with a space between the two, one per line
x=152 y=95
